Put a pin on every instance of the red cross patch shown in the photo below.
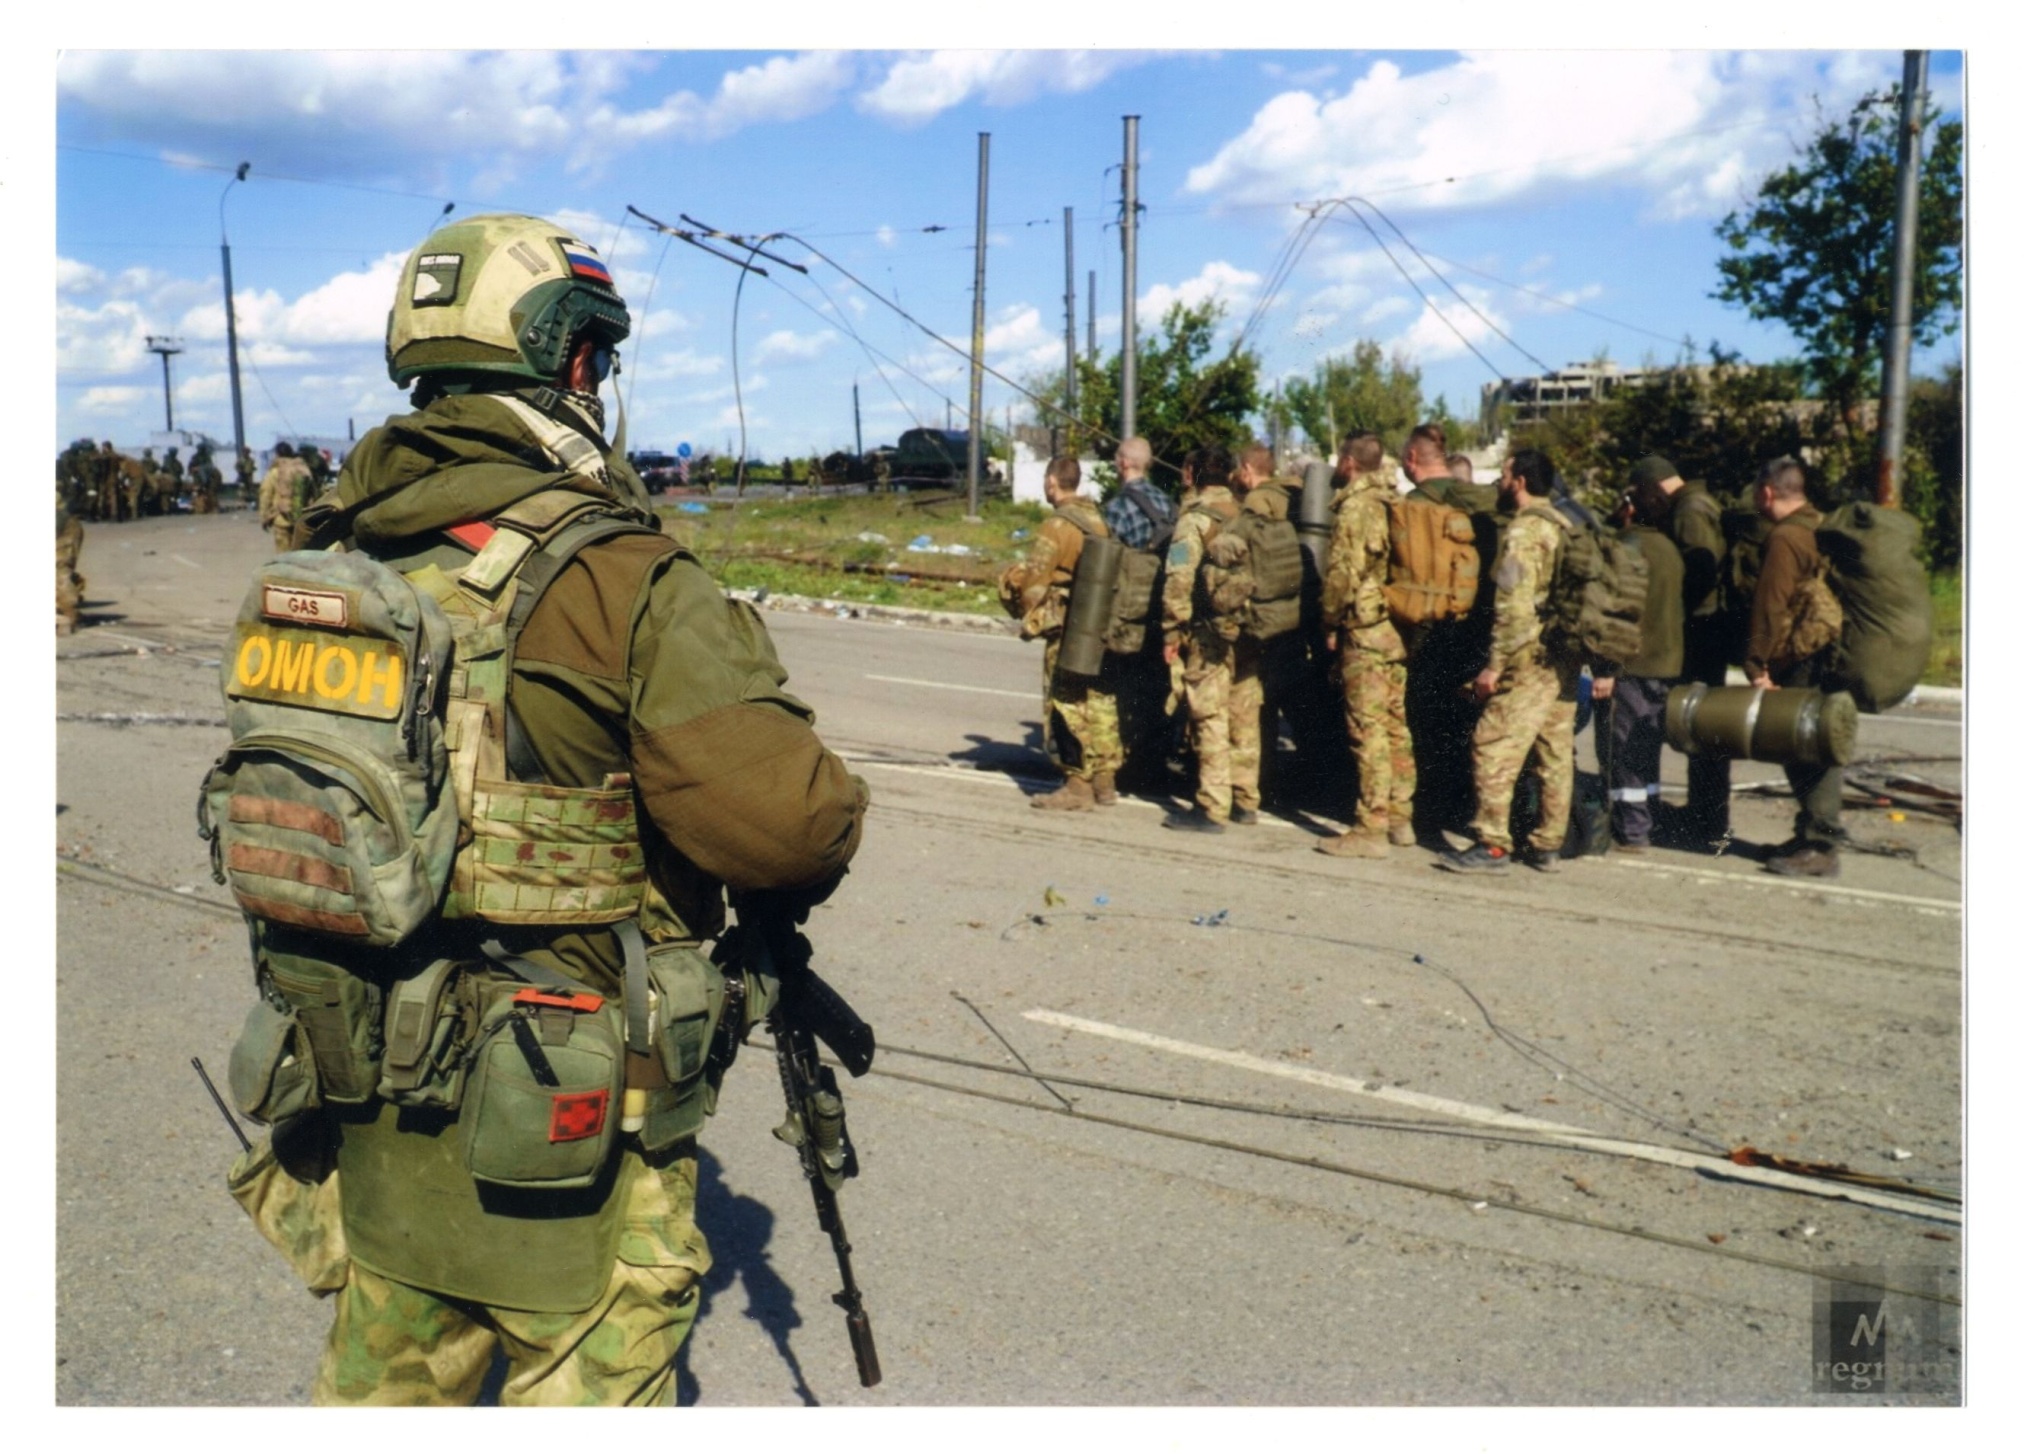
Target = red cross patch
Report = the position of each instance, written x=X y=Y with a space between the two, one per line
x=577 y=1115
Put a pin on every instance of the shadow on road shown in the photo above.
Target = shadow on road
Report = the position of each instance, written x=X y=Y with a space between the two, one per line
x=741 y=1230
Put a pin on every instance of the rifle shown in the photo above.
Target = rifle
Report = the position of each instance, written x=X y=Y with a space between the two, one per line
x=804 y=1010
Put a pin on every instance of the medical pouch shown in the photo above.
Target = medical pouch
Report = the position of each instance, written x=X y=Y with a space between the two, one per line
x=273 y=1072
x=541 y=1107
x=330 y=811
x=687 y=999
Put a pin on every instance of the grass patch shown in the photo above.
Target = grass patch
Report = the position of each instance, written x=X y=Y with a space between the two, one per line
x=1947 y=665
x=855 y=547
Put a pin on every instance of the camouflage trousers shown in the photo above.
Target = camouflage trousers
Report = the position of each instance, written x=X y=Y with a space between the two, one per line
x=1374 y=708
x=1087 y=710
x=395 y=1344
x=1531 y=711
x=1226 y=702
x=284 y=535
x=69 y=584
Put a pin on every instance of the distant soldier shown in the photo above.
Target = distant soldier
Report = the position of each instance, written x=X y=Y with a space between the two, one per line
x=882 y=475
x=242 y=474
x=107 y=479
x=205 y=482
x=1633 y=702
x=1791 y=586
x=1528 y=684
x=1036 y=590
x=1372 y=656
x=173 y=475
x=1219 y=668
x=287 y=488
x=69 y=584
x=1141 y=516
x=1446 y=655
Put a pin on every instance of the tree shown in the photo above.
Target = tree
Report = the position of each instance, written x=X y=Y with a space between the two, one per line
x=1185 y=400
x=1813 y=249
x=1362 y=392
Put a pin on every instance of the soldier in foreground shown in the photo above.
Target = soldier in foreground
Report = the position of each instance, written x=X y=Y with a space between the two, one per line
x=1527 y=686
x=1036 y=591
x=623 y=751
x=1372 y=657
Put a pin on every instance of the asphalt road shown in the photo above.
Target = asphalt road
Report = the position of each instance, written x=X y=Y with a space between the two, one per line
x=1282 y=1145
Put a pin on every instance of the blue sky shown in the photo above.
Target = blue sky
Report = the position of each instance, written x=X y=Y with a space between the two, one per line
x=1569 y=196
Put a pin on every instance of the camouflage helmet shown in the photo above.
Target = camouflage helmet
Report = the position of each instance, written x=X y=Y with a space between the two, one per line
x=502 y=294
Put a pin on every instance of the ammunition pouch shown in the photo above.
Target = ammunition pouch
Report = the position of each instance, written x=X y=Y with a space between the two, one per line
x=273 y=1070
x=686 y=1006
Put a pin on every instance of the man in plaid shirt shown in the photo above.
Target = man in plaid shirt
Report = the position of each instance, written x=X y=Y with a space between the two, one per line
x=1138 y=513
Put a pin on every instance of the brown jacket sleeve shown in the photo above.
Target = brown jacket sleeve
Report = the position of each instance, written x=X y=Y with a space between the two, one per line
x=1790 y=557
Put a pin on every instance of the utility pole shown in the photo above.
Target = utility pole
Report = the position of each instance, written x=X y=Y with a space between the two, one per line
x=857 y=418
x=231 y=318
x=1092 y=315
x=977 y=326
x=165 y=347
x=1127 y=419
x=1068 y=301
x=1897 y=361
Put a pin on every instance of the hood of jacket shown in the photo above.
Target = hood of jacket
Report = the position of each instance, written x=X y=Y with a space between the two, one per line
x=461 y=457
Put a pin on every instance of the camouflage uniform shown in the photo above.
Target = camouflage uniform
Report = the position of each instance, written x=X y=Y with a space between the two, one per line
x=283 y=492
x=1373 y=656
x=633 y=662
x=1225 y=694
x=1445 y=656
x=1038 y=586
x=1533 y=705
x=69 y=584
x=204 y=482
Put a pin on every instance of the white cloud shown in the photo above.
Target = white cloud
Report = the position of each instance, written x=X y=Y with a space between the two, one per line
x=1687 y=127
x=107 y=400
x=785 y=88
x=1234 y=286
x=1430 y=340
x=921 y=86
x=797 y=347
x=887 y=237
x=76 y=277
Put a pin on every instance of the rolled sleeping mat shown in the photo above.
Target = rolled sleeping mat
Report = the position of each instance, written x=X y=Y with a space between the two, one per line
x=1089 y=606
x=1802 y=726
x=1315 y=524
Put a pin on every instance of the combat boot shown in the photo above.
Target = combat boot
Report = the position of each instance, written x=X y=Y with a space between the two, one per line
x=1546 y=860
x=1812 y=861
x=1073 y=796
x=1104 y=786
x=1358 y=843
x=1402 y=835
x=1195 y=820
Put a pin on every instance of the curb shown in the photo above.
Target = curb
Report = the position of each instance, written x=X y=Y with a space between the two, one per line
x=866 y=611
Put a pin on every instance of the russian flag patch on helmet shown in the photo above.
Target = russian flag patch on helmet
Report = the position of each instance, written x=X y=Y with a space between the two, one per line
x=583 y=263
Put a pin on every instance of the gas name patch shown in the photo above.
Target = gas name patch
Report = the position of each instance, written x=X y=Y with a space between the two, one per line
x=360 y=676
x=436 y=279
x=315 y=608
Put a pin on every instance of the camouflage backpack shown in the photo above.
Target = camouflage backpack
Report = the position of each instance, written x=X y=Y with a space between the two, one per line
x=1260 y=570
x=1595 y=605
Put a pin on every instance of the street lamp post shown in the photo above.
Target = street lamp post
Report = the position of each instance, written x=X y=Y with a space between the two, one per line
x=231 y=318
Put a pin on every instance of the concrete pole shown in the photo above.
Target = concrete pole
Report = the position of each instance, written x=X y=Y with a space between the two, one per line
x=1092 y=315
x=1897 y=362
x=857 y=418
x=977 y=325
x=231 y=317
x=1068 y=300
x=1127 y=424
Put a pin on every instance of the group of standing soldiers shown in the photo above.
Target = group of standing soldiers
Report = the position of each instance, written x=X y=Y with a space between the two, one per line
x=99 y=483
x=1444 y=717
